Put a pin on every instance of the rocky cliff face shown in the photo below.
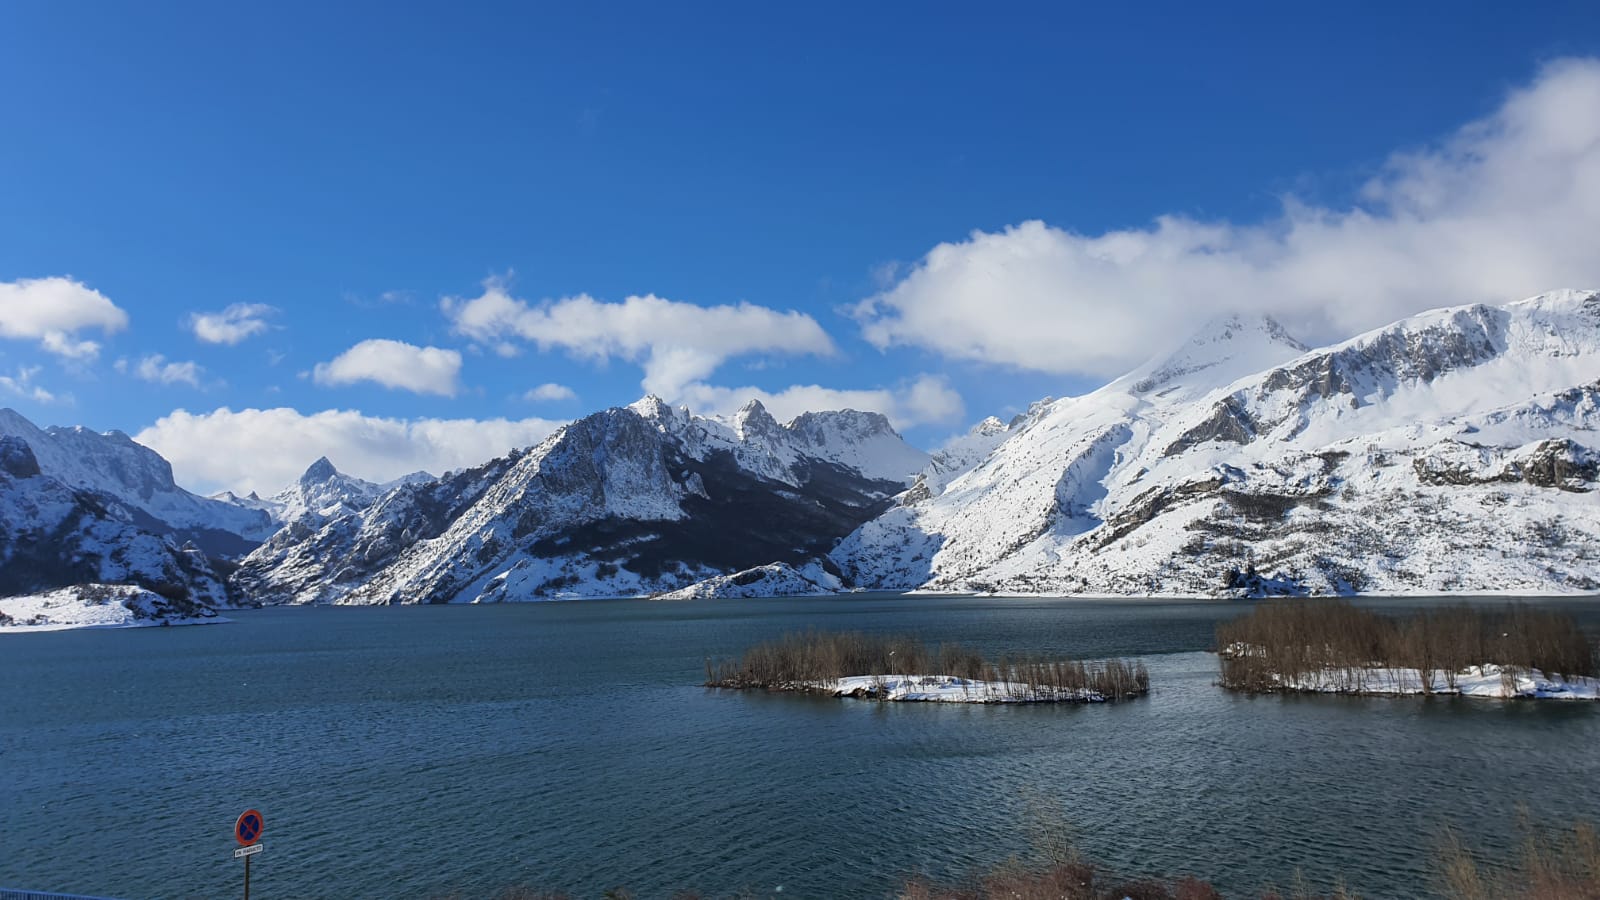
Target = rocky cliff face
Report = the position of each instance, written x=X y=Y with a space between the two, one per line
x=53 y=535
x=628 y=501
x=1452 y=451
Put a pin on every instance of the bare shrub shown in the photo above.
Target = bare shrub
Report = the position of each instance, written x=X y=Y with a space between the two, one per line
x=818 y=659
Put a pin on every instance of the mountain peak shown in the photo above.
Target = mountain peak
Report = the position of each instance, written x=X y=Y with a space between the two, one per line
x=1239 y=327
x=651 y=406
x=319 y=471
x=1220 y=351
x=989 y=426
x=753 y=418
x=13 y=422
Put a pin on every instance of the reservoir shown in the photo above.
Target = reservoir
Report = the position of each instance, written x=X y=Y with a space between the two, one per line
x=431 y=751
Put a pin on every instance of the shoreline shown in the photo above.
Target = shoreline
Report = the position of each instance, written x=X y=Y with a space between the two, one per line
x=1485 y=681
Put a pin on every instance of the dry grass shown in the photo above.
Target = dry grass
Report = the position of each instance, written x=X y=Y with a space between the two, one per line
x=1060 y=881
x=1551 y=864
x=805 y=660
x=1288 y=639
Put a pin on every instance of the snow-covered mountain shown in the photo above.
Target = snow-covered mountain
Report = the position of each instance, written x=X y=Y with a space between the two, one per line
x=631 y=500
x=113 y=464
x=53 y=535
x=1451 y=451
x=319 y=559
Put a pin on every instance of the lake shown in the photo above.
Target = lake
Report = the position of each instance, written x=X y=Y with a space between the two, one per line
x=423 y=751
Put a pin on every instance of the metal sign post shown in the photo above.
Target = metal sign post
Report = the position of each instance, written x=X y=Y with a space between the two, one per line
x=247 y=831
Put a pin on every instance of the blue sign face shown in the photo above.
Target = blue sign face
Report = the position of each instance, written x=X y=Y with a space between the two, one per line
x=249 y=827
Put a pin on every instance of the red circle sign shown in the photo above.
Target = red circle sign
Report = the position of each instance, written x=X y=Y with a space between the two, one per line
x=248 y=829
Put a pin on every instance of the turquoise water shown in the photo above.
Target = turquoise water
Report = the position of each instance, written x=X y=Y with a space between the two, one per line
x=419 y=751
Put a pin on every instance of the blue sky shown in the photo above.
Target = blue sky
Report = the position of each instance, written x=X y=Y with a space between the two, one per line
x=428 y=221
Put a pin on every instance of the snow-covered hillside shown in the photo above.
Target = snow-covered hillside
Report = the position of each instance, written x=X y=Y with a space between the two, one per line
x=629 y=501
x=113 y=464
x=52 y=536
x=98 y=606
x=1451 y=451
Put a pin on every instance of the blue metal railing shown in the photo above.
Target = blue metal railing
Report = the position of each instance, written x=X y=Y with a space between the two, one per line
x=15 y=894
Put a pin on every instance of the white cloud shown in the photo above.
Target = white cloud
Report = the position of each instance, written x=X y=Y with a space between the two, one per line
x=53 y=310
x=395 y=364
x=21 y=385
x=155 y=368
x=232 y=325
x=676 y=343
x=266 y=449
x=928 y=399
x=550 y=392
x=1507 y=207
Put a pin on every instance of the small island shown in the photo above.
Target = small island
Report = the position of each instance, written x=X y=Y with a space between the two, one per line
x=875 y=667
x=1334 y=647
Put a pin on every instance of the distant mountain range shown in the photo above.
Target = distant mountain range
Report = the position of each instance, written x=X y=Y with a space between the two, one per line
x=632 y=500
x=1453 y=451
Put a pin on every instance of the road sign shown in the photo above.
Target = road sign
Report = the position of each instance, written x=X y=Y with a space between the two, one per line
x=248 y=829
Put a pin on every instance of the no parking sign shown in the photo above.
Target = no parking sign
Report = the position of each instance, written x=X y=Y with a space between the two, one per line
x=247 y=831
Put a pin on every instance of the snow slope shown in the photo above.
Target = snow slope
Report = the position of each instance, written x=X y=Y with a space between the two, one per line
x=113 y=464
x=1450 y=452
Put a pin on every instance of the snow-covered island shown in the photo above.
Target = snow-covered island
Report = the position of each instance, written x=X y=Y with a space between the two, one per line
x=98 y=606
x=822 y=662
x=1332 y=647
x=953 y=689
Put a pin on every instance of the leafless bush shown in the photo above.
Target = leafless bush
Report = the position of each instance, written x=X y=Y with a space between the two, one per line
x=1291 y=639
